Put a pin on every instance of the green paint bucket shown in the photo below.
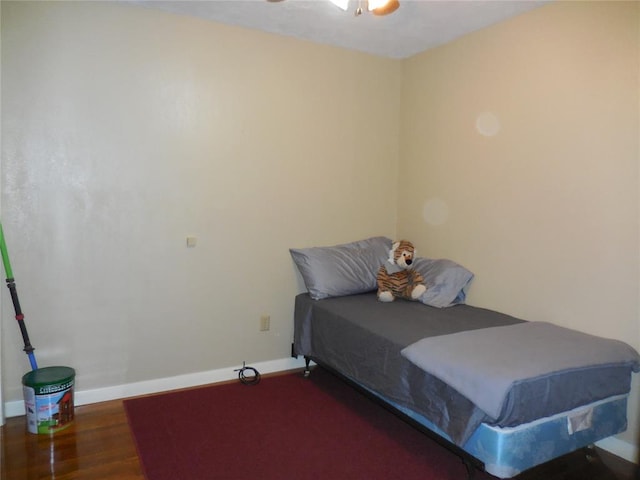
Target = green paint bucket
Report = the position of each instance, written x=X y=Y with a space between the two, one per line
x=48 y=398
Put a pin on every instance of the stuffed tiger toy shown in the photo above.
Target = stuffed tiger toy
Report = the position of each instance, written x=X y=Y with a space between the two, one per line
x=396 y=278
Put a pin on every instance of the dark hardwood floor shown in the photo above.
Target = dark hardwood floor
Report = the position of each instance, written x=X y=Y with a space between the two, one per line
x=99 y=446
x=585 y=464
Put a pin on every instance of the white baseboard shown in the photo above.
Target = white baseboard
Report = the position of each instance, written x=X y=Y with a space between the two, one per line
x=86 y=397
x=622 y=449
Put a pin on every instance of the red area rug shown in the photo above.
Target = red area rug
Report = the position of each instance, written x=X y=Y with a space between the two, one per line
x=286 y=427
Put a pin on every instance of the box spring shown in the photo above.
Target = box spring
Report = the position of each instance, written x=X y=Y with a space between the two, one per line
x=506 y=452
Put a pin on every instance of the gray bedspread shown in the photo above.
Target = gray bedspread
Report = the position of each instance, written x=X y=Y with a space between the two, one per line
x=363 y=338
x=485 y=364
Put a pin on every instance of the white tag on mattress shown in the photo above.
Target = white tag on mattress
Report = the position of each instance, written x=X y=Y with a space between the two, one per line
x=580 y=420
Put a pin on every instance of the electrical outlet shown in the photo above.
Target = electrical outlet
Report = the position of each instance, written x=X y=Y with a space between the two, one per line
x=265 y=323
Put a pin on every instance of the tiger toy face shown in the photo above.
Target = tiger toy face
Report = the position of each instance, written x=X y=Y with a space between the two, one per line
x=402 y=254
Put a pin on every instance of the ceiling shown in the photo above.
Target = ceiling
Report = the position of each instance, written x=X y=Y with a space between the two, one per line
x=416 y=26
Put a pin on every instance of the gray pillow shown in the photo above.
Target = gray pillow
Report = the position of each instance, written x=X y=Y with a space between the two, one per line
x=447 y=282
x=341 y=270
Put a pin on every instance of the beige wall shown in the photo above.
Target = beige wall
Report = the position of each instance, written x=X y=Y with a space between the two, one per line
x=519 y=159
x=124 y=131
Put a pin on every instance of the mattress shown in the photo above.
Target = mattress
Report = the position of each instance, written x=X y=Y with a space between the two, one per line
x=362 y=339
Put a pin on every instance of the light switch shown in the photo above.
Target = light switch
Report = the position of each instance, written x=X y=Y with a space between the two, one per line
x=191 y=241
x=265 y=322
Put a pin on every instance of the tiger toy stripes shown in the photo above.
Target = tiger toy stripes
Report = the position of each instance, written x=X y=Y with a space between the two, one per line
x=396 y=278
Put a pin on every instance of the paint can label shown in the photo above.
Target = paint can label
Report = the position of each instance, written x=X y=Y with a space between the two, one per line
x=48 y=400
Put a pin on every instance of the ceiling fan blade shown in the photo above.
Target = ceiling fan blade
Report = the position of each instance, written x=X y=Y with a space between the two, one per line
x=389 y=7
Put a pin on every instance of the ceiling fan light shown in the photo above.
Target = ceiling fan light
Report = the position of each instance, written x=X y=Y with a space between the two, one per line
x=383 y=7
x=343 y=4
x=373 y=4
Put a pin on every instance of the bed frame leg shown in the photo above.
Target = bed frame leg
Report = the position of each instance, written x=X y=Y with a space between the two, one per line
x=471 y=469
x=307 y=371
x=590 y=453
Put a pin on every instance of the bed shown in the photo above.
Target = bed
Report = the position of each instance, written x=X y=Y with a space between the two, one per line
x=503 y=393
